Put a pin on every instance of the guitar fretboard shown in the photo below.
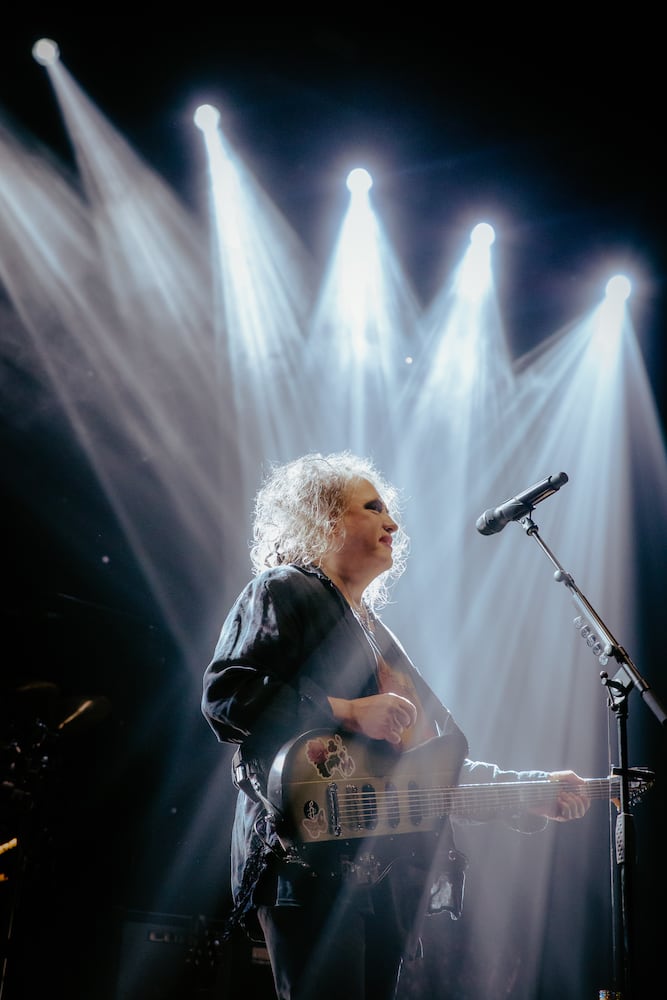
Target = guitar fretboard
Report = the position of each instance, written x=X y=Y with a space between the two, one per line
x=369 y=805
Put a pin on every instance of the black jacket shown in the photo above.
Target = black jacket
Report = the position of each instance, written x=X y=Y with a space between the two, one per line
x=289 y=642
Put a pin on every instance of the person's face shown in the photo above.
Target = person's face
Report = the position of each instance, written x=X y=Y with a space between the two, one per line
x=366 y=528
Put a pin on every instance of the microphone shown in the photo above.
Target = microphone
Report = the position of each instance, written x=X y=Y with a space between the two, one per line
x=494 y=519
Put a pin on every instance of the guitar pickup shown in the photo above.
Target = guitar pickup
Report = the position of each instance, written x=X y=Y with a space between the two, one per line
x=415 y=803
x=369 y=807
x=393 y=806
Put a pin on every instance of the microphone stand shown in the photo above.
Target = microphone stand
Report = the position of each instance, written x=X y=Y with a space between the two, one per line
x=601 y=641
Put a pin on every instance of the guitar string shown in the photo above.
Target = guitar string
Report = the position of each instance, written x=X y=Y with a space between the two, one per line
x=359 y=806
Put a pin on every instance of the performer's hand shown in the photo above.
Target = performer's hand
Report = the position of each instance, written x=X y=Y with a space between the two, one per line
x=379 y=716
x=572 y=801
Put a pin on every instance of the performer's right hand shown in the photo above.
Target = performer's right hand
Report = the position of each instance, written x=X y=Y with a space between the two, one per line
x=379 y=716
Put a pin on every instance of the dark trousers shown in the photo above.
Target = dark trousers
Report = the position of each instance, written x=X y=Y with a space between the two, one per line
x=347 y=943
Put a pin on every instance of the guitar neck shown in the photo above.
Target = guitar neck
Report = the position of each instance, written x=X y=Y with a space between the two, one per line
x=467 y=800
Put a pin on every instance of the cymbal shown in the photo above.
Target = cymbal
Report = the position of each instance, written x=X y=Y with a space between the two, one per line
x=84 y=713
x=42 y=701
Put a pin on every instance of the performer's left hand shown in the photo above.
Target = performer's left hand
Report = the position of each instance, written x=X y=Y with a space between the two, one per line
x=572 y=801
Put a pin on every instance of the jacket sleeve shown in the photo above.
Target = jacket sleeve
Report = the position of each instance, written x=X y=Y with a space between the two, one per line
x=253 y=686
x=480 y=772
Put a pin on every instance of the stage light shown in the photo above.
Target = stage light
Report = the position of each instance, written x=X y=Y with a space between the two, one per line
x=359 y=181
x=45 y=52
x=206 y=117
x=483 y=235
x=618 y=288
x=474 y=277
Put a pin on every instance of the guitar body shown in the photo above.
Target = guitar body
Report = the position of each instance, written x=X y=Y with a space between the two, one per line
x=327 y=786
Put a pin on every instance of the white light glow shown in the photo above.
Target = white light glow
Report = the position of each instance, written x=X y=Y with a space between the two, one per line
x=474 y=279
x=483 y=234
x=45 y=52
x=618 y=288
x=359 y=181
x=206 y=117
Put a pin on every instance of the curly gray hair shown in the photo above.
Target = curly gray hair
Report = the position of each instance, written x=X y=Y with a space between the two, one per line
x=299 y=505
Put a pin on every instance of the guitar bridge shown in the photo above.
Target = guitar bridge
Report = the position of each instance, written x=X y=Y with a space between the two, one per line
x=334 y=810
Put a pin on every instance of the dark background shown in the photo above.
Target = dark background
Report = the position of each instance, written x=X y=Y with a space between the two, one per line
x=557 y=126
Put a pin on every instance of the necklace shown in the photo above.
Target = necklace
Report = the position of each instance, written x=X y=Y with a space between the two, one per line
x=362 y=614
x=359 y=610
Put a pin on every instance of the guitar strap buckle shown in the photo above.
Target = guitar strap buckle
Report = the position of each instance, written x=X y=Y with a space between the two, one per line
x=248 y=776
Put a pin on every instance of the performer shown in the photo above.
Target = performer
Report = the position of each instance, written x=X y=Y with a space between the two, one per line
x=303 y=648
